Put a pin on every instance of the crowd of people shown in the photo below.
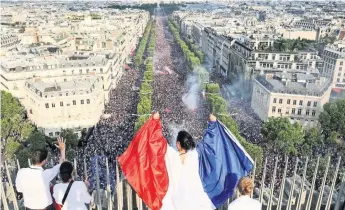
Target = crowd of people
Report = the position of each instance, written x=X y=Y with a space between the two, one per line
x=168 y=89
x=113 y=133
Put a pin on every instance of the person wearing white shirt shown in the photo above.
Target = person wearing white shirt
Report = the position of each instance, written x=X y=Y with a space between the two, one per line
x=34 y=182
x=77 y=196
x=244 y=202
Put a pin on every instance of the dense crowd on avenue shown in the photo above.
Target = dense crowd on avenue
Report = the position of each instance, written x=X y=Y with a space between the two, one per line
x=168 y=89
x=111 y=136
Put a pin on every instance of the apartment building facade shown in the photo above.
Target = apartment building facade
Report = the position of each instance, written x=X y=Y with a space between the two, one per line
x=273 y=61
x=229 y=55
x=74 y=104
x=334 y=66
x=58 y=69
x=299 y=97
x=66 y=48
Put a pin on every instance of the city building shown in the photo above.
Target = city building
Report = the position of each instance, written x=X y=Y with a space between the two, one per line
x=269 y=61
x=17 y=70
x=75 y=104
x=334 y=65
x=62 y=64
x=228 y=55
x=298 y=96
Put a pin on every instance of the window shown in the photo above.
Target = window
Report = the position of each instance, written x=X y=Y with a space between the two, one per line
x=74 y=102
x=309 y=103
x=82 y=101
x=279 y=111
x=57 y=133
x=87 y=71
x=273 y=109
x=338 y=79
x=51 y=134
x=288 y=101
x=280 y=101
x=307 y=112
x=294 y=102
x=293 y=111
x=101 y=70
x=47 y=105
x=65 y=80
x=80 y=71
x=53 y=105
x=274 y=100
x=341 y=63
x=315 y=103
x=313 y=113
x=287 y=111
x=339 y=74
x=301 y=102
x=88 y=101
x=61 y=103
x=299 y=111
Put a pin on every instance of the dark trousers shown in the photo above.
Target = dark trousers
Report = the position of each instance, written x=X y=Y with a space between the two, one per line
x=50 y=207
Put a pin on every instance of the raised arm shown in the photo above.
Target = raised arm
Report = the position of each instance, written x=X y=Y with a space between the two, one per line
x=62 y=148
x=53 y=172
x=211 y=129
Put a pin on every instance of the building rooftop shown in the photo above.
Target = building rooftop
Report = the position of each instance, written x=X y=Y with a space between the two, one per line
x=24 y=62
x=85 y=86
x=295 y=83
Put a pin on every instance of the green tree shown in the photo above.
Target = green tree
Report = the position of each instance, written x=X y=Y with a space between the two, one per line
x=23 y=155
x=212 y=88
x=11 y=148
x=282 y=136
x=332 y=119
x=144 y=106
x=312 y=139
x=70 y=137
x=10 y=106
x=36 y=141
x=146 y=87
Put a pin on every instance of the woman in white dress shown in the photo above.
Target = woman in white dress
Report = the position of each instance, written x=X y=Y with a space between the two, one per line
x=78 y=195
x=185 y=191
x=244 y=202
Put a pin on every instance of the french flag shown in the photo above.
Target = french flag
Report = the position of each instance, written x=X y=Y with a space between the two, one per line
x=206 y=179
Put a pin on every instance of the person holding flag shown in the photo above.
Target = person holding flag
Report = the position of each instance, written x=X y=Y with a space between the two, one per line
x=201 y=176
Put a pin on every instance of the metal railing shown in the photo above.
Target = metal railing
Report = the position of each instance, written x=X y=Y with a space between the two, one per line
x=293 y=193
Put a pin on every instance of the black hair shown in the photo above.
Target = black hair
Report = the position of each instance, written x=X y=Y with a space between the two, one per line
x=186 y=140
x=66 y=170
x=38 y=156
